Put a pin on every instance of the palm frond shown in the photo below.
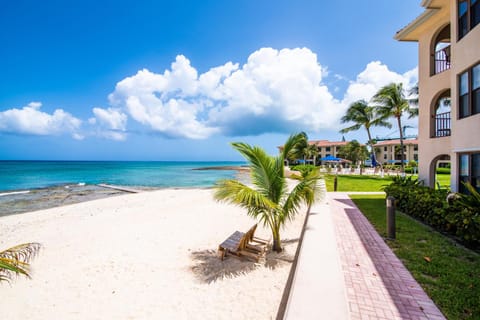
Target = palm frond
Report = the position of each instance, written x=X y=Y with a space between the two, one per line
x=266 y=172
x=305 y=191
x=294 y=144
x=16 y=260
x=257 y=204
x=233 y=191
x=355 y=127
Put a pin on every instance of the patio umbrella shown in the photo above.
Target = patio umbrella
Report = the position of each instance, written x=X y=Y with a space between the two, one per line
x=331 y=159
x=374 y=161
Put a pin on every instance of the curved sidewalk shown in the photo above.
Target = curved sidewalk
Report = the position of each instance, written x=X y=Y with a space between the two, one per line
x=345 y=270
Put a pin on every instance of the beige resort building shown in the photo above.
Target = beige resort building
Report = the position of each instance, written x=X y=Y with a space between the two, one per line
x=388 y=151
x=448 y=36
x=327 y=148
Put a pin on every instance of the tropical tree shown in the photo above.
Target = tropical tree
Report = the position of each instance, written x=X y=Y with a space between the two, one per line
x=296 y=147
x=392 y=103
x=312 y=152
x=269 y=200
x=363 y=115
x=16 y=260
x=353 y=151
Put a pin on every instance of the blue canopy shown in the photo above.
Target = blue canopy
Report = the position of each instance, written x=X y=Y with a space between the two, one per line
x=331 y=158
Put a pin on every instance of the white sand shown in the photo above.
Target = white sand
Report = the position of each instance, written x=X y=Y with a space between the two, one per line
x=150 y=255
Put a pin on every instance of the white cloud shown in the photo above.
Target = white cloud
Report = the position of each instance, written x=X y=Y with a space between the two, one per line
x=110 y=123
x=375 y=76
x=275 y=91
x=30 y=120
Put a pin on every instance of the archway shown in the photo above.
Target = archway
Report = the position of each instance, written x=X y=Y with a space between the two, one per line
x=440 y=111
x=439 y=175
x=440 y=51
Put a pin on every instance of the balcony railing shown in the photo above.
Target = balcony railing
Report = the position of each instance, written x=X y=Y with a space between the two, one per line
x=442 y=60
x=442 y=125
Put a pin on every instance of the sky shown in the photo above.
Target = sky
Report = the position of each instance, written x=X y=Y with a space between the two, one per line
x=180 y=80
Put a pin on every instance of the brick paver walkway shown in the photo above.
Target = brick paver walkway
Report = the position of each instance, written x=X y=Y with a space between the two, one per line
x=378 y=286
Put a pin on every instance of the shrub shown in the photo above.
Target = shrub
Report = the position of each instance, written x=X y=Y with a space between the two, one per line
x=460 y=217
x=443 y=170
x=304 y=168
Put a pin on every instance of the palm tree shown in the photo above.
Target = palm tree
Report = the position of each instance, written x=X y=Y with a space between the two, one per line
x=15 y=260
x=393 y=104
x=363 y=115
x=312 y=152
x=269 y=199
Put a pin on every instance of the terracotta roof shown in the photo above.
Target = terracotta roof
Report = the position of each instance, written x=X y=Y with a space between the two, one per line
x=396 y=142
x=327 y=143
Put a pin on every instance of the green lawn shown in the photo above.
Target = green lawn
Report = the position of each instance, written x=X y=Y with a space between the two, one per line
x=357 y=182
x=443 y=180
x=451 y=278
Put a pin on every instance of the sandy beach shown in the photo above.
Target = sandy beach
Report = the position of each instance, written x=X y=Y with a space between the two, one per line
x=150 y=255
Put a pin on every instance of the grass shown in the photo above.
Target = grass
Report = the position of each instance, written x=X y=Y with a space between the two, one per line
x=451 y=278
x=356 y=182
x=443 y=180
x=369 y=183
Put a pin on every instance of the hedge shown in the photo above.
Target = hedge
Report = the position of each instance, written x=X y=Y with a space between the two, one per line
x=455 y=214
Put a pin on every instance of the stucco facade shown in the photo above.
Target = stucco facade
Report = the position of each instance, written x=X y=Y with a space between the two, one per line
x=449 y=64
x=388 y=151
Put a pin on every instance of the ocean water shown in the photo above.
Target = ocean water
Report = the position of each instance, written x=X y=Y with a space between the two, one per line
x=25 y=175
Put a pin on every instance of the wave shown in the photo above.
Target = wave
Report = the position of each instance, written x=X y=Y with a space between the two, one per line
x=14 y=192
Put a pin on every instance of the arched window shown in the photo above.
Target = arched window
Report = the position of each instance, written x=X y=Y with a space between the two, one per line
x=441 y=116
x=441 y=55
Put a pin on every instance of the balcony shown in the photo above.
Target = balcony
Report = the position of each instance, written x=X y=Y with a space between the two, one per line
x=441 y=60
x=442 y=125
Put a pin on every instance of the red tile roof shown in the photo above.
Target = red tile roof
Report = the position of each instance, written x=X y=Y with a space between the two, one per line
x=396 y=142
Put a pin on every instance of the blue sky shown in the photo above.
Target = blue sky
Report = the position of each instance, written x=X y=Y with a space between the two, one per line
x=179 y=80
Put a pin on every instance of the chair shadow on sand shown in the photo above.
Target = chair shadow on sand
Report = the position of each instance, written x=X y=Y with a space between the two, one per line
x=208 y=267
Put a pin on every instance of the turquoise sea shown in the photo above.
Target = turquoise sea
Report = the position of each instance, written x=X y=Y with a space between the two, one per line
x=25 y=175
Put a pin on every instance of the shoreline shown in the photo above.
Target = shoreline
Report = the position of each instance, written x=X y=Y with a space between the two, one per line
x=27 y=200
x=24 y=201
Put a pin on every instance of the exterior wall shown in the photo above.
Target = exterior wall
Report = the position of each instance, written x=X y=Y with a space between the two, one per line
x=466 y=131
x=465 y=53
x=384 y=157
x=430 y=86
x=332 y=151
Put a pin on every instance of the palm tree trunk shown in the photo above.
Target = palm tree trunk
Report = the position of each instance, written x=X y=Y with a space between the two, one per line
x=369 y=138
x=277 y=243
x=401 y=145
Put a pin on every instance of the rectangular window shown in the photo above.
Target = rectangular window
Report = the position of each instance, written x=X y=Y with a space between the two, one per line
x=385 y=149
x=476 y=89
x=463 y=172
x=462 y=18
x=475 y=180
x=415 y=148
x=475 y=13
x=469 y=92
x=327 y=149
x=468 y=16
x=385 y=156
x=469 y=171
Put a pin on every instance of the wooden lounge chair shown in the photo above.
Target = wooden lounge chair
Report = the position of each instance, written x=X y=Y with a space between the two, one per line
x=243 y=244
x=255 y=241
